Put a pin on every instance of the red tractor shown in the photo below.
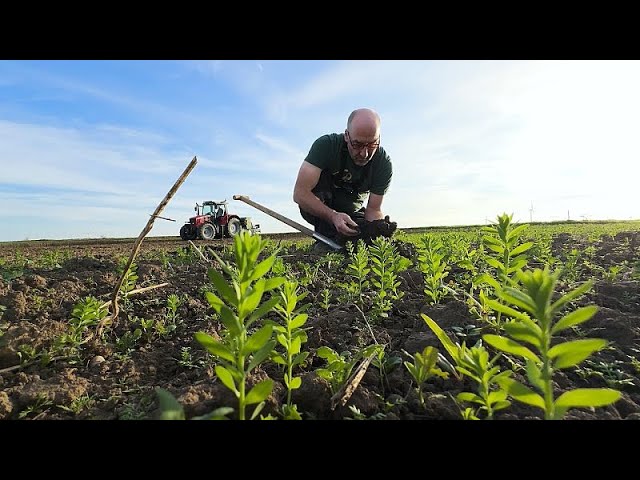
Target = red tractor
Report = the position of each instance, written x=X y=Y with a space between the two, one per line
x=212 y=220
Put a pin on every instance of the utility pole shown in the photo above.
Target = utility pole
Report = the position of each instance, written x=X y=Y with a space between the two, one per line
x=568 y=217
x=531 y=213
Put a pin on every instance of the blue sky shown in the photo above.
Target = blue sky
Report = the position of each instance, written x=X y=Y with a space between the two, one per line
x=89 y=148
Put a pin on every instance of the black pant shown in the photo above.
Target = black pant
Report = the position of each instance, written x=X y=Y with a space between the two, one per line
x=325 y=191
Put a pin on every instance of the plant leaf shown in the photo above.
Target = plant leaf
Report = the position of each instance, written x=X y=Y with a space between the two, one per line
x=214 y=347
x=521 y=393
x=295 y=383
x=299 y=321
x=507 y=345
x=170 y=407
x=228 y=293
x=260 y=355
x=570 y=296
x=262 y=310
x=256 y=341
x=226 y=378
x=449 y=346
x=571 y=353
x=259 y=392
x=469 y=397
x=262 y=268
x=574 y=318
x=588 y=397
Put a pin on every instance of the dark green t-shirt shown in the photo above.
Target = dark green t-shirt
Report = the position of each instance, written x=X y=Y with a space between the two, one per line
x=352 y=183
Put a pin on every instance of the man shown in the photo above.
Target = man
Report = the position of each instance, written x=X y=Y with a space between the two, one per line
x=338 y=174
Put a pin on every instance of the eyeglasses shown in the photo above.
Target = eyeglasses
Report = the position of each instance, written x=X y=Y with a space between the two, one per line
x=359 y=145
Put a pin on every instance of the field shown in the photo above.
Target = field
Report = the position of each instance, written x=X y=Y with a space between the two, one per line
x=358 y=339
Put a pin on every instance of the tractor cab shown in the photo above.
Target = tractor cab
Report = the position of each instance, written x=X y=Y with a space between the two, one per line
x=213 y=209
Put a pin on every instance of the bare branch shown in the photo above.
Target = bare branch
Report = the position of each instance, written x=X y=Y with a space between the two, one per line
x=136 y=247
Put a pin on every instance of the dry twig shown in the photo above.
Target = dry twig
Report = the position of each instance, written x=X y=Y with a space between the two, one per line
x=139 y=290
x=199 y=252
x=136 y=247
x=344 y=394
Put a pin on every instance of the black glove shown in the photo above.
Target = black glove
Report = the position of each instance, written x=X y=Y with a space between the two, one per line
x=381 y=228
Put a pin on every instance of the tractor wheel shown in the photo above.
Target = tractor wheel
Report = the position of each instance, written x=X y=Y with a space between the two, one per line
x=185 y=232
x=208 y=231
x=234 y=227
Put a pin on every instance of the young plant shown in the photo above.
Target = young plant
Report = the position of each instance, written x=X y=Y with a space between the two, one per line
x=508 y=256
x=186 y=359
x=423 y=368
x=571 y=267
x=385 y=364
x=433 y=267
x=127 y=342
x=340 y=365
x=291 y=336
x=536 y=327
x=88 y=312
x=79 y=404
x=131 y=277
x=239 y=306
x=613 y=273
x=173 y=302
x=358 y=269
x=325 y=302
x=474 y=363
x=386 y=264
x=146 y=326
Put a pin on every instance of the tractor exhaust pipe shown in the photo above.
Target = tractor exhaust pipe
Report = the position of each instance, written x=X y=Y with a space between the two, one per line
x=291 y=223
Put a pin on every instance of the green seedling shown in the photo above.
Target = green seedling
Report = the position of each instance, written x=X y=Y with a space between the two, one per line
x=507 y=257
x=423 y=368
x=474 y=363
x=340 y=365
x=238 y=302
x=610 y=372
x=433 y=267
x=291 y=336
x=87 y=313
x=127 y=342
x=386 y=263
x=325 y=301
x=537 y=327
x=173 y=302
x=41 y=405
x=130 y=278
x=146 y=326
x=571 y=269
x=385 y=364
x=358 y=269
x=78 y=404
x=186 y=359
x=26 y=353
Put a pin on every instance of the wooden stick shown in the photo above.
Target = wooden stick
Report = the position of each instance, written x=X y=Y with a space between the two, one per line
x=344 y=394
x=164 y=218
x=139 y=290
x=27 y=364
x=199 y=252
x=136 y=246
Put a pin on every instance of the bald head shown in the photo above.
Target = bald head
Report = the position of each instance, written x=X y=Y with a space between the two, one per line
x=364 y=122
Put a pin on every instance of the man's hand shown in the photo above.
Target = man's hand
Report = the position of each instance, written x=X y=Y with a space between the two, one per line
x=345 y=225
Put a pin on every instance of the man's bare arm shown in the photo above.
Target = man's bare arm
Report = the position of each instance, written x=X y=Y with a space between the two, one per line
x=308 y=177
x=374 y=208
